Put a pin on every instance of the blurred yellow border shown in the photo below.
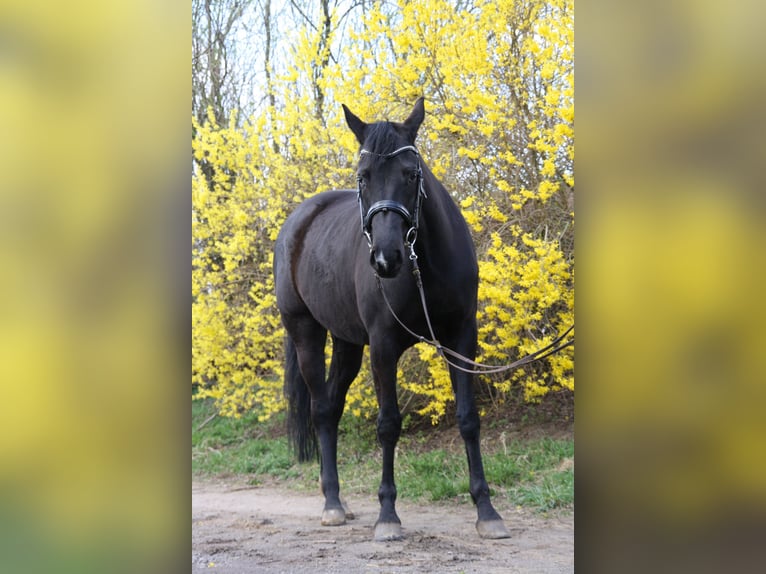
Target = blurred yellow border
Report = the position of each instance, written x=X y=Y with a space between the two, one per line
x=94 y=236
x=672 y=250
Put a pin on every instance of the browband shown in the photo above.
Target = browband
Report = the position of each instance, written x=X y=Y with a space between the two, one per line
x=393 y=153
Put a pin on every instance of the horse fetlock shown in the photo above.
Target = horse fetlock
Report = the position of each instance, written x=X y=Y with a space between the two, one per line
x=387 y=495
x=480 y=495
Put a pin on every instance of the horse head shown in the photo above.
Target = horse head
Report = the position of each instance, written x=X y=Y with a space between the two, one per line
x=390 y=185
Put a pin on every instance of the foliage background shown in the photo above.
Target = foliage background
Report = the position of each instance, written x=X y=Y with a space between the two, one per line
x=499 y=132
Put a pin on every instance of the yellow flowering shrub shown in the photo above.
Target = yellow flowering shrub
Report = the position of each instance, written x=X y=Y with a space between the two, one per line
x=499 y=132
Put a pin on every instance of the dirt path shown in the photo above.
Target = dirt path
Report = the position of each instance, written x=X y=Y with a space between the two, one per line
x=242 y=530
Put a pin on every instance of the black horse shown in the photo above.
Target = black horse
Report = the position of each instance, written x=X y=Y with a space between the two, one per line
x=326 y=260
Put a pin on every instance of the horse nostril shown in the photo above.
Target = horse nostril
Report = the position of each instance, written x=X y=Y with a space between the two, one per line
x=383 y=265
x=377 y=261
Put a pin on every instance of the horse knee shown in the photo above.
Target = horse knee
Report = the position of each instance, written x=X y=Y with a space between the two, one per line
x=324 y=413
x=469 y=425
x=389 y=428
x=387 y=492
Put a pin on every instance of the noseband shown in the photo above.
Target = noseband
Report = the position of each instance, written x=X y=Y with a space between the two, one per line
x=389 y=205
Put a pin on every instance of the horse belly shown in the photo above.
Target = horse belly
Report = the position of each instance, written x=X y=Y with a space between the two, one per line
x=329 y=295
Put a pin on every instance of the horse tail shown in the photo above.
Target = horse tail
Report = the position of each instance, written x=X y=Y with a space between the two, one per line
x=299 y=427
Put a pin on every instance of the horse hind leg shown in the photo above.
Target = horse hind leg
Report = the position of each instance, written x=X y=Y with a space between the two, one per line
x=311 y=410
x=326 y=410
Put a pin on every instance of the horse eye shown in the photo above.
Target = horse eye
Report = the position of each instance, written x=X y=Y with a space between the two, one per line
x=412 y=176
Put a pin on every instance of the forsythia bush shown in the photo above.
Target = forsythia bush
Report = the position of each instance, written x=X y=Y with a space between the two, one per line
x=499 y=132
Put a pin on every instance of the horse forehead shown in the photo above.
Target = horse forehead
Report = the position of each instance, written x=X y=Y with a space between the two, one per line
x=378 y=164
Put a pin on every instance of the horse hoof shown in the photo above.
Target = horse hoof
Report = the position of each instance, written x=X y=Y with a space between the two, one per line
x=492 y=529
x=349 y=515
x=333 y=517
x=385 y=531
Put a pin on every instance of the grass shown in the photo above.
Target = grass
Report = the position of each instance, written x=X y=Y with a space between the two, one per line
x=226 y=446
x=536 y=473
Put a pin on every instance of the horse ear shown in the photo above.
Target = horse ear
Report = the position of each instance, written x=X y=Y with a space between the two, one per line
x=357 y=126
x=416 y=118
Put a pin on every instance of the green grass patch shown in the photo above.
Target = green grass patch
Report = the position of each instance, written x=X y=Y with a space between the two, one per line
x=537 y=473
x=534 y=473
x=433 y=475
x=237 y=446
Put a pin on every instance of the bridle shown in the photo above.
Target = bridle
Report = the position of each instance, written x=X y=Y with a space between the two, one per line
x=384 y=205
x=559 y=343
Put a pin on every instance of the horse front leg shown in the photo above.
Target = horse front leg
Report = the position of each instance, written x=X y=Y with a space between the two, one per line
x=489 y=523
x=389 y=427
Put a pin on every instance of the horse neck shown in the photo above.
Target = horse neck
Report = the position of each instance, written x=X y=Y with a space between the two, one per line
x=443 y=232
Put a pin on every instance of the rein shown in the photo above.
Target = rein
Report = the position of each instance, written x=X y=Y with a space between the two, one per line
x=411 y=236
x=443 y=351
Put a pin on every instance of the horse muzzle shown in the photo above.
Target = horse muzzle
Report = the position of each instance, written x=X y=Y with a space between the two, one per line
x=386 y=250
x=386 y=262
